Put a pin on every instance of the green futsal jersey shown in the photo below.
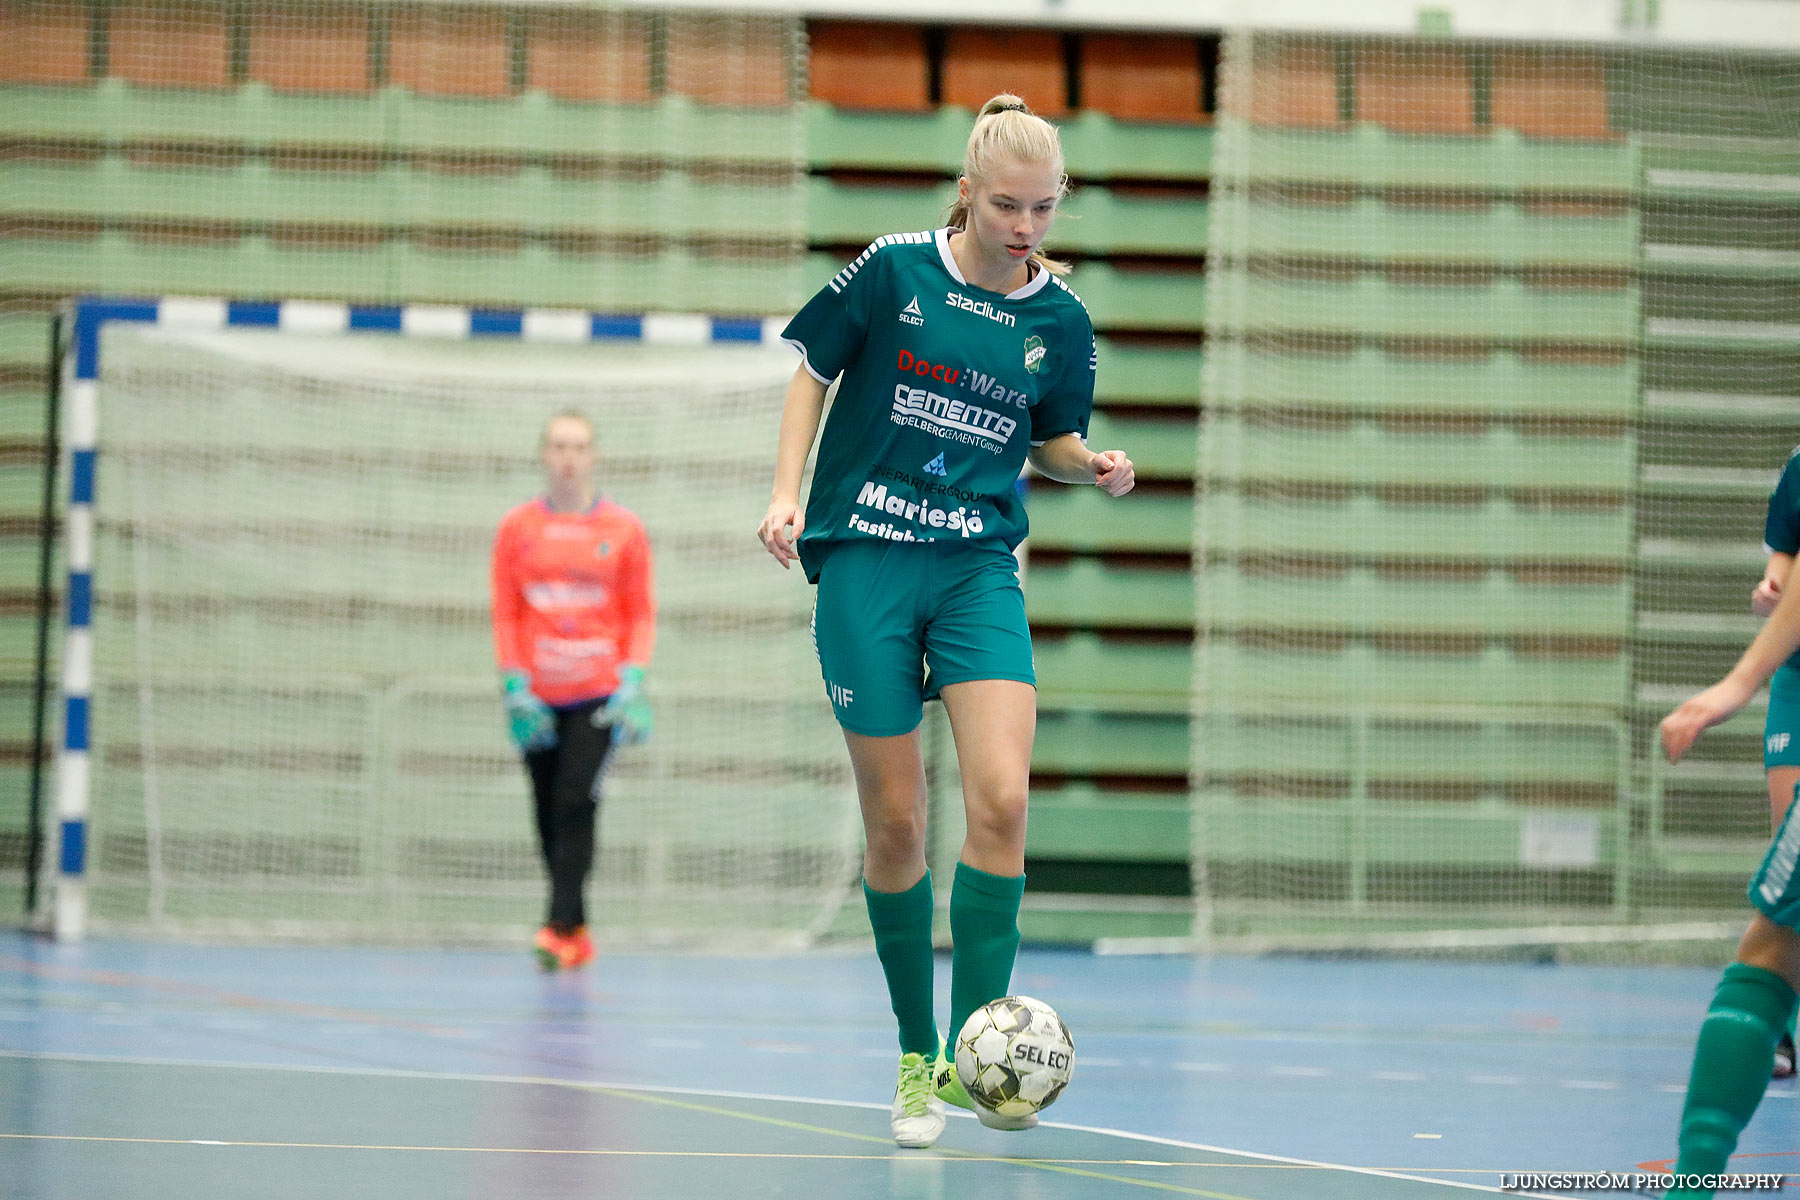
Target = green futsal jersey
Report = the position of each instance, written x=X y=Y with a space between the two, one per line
x=946 y=387
x=1781 y=531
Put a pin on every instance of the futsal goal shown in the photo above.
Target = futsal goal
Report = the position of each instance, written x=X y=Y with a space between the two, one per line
x=281 y=709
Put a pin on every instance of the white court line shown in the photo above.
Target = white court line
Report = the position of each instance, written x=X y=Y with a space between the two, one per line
x=721 y=1094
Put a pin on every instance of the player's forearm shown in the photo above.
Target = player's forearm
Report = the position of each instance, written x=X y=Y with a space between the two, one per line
x=1778 y=567
x=1065 y=459
x=799 y=426
x=1776 y=642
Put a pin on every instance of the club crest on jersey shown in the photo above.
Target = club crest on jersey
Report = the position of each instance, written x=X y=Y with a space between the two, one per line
x=603 y=549
x=911 y=314
x=936 y=466
x=1034 y=353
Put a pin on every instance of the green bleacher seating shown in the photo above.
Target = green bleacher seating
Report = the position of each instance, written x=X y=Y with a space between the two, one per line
x=675 y=280
x=1501 y=383
x=857 y=213
x=1122 y=298
x=1130 y=674
x=1363 y=600
x=1097 y=221
x=1085 y=742
x=1161 y=448
x=1501 y=161
x=1365 y=452
x=1067 y=517
x=1147 y=374
x=673 y=129
x=1088 y=593
x=1095 y=146
x=1084 y=822
x=1337 y=673
x=1496 y=530
x=848 y=139
x=25 y=339
x=1093 y=221
x=1372 y=305
x=1368 y=228
x=528 y=200
x=1375 y=835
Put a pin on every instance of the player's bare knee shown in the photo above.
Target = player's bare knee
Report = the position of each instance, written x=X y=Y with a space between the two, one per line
x=997 y=819
x=895 y=835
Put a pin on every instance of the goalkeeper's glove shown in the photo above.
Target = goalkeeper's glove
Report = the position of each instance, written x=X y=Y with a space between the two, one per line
x=528 y=719
x=627 y=710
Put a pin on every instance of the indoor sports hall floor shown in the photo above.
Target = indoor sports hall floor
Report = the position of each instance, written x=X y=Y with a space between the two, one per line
x=159 y=1070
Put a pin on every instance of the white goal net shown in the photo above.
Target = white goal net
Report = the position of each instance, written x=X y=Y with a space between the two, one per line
x=296 y=724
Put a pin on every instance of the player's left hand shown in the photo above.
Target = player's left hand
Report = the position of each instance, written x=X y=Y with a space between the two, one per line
x=1766 y=596
x=1681 y=728
x=1114 y=472
x=626 y=710
x=635 y=723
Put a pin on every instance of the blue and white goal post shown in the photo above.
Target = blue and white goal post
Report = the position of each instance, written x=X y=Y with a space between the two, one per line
x=85 y=374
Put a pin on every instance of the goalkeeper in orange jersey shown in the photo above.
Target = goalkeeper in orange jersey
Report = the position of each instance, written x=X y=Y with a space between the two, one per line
x=574 y=617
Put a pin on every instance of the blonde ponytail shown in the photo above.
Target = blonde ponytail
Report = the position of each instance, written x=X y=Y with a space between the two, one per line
x=1006 y=130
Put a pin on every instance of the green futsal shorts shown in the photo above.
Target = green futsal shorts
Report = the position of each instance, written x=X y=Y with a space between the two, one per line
x=895 y=622
x=1774 y=889
x=1781 y=732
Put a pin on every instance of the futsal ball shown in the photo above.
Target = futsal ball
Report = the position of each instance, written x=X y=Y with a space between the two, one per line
x=1014 y=1055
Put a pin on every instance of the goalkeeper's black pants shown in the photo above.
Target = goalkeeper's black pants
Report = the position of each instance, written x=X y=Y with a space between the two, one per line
x=565 y=783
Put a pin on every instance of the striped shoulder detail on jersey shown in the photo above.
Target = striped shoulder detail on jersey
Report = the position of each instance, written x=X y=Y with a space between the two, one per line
x=1057 y=280
x=843 y=277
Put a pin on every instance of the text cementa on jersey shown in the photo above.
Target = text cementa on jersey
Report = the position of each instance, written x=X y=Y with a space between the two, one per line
x=944 y=416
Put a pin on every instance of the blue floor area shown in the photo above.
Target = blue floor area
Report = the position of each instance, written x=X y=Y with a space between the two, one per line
x=440 y=1073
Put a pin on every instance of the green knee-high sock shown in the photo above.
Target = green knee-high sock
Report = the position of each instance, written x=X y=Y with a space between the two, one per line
x=902 y=924
x=984 y=939
x=1731 y=1066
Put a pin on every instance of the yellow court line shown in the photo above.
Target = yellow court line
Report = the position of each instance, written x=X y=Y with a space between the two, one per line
x=801 y=1126
x=1057 y=1165
x=597 y=1152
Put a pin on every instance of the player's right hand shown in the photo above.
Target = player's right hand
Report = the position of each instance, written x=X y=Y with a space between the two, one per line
x=1766 y=596
x=780 y=530
x=1681 y=728
x=528 y=719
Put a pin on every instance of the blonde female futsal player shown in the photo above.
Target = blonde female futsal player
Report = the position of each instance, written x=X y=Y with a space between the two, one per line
x=961 y=355
x=574 y=621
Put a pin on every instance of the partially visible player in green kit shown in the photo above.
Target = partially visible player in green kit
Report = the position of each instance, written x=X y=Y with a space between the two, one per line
x=1781 y=731
x=960 y=355
x=1755 y=1001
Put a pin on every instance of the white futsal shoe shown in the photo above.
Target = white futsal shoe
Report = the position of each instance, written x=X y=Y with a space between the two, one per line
x=918 y=1114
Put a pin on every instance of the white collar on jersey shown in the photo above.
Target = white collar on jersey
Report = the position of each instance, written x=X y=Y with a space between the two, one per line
x=1032 y=287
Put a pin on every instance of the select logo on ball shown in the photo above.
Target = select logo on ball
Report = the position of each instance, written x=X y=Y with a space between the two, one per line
x=1014 y=1055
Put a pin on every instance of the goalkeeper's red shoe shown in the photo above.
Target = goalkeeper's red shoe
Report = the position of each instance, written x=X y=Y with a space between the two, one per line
x=578 y=949
x=563 y=951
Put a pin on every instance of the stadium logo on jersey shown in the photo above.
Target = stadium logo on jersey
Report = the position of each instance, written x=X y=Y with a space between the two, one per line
x=1034 y=353
x=936 y=466
x=911 y=314
x=980 y=308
